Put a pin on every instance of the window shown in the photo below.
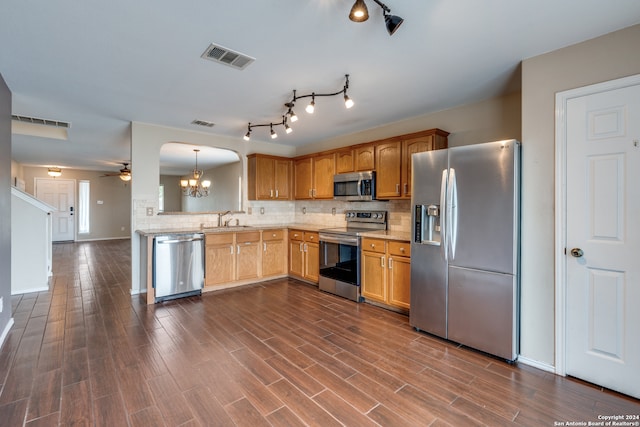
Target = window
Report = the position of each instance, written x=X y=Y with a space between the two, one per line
x=161 y=198
x=83 y=207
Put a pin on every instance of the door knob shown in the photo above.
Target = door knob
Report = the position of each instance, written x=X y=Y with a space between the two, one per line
x=576 y=252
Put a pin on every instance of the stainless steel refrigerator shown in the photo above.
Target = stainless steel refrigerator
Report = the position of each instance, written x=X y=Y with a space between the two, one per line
x=465 y=251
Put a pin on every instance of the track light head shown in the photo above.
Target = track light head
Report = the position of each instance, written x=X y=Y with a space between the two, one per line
x=274 y=135
x=348 y=102
x=247 y=136
x=290 y=112
x=359 y=12
x=392 y=22
x=312 y=105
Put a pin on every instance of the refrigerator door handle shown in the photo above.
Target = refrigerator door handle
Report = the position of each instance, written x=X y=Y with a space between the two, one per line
x=452 y=210
x=444 y=208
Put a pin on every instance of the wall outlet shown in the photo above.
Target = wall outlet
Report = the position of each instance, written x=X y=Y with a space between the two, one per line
x=261 y=211
x=121 y=228
x=304 y=210
x=249 y=210
x=333 y=211
x=149 y=211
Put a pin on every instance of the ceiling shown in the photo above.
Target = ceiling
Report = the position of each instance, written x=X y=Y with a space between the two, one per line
x=101 y=65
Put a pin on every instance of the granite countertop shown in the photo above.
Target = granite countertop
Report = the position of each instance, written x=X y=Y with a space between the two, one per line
x=388 y=235
x=304 y=227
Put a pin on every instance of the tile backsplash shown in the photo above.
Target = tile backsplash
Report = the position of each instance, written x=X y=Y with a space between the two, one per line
x=316 y=212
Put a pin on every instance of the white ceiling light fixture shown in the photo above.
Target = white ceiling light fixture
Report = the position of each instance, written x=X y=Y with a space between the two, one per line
x=348 y=103
x=54 y=172
x=192 y=187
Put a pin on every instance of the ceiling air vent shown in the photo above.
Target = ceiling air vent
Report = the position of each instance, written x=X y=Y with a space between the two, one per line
x=226 y=56
x=203 y=123
x=38 y=121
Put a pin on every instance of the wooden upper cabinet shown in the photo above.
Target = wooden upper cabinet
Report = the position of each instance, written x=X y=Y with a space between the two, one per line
x=269 y=177
x=409 y=147
x=324 y=168
x=303 y=173
x=388 y=172
x=314 y=177
x=344 y=161
x=364 y=158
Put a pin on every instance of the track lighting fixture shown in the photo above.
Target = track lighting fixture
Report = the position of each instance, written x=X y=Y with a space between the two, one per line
x=348 y=103
x=359 y=13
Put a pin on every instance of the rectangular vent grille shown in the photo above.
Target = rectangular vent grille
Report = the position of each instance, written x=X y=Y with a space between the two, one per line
x=203 y=123
x=226 y=56
x=38 y=121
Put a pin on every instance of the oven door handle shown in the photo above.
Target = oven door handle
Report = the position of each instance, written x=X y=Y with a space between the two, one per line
x=338 y=240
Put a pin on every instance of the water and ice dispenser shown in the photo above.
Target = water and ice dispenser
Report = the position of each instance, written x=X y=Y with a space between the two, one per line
x=427 y=224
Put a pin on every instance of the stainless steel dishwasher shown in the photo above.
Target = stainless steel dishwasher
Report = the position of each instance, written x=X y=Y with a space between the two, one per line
x=178 y=265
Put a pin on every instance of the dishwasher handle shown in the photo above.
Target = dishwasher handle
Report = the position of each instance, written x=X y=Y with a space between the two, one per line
x=179 y=240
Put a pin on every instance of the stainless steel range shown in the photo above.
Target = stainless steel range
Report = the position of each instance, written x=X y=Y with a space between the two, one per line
x=340 y=252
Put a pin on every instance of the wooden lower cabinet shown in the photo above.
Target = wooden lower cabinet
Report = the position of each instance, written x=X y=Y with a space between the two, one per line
x=304 y=255
x=248 y=255
x=274 y=253
x=219 y=258
x=386 y=272
x=244 y=256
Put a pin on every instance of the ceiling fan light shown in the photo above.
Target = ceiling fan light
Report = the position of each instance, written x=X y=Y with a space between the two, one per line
x=392 y=22
x=359 y=12
x=54 y=172
x=125 y=177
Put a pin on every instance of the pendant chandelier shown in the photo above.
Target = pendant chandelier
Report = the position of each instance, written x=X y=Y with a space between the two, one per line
x=192 y=187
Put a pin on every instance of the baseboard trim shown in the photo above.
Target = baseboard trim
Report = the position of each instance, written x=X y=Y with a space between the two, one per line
x=5 y=333
x=32 y=290
x=536 y=364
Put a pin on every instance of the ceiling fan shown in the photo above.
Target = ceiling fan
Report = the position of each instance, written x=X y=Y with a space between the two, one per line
x=124 y=174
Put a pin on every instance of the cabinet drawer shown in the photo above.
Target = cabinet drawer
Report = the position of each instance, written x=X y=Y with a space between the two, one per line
x=373 y=245
x=272 y=235
x=218 y=238
x=400 y=248
x=295 y=235
x=251 y=236
x=310 y=236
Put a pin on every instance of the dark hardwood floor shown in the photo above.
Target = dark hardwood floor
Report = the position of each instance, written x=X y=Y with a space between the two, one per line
x=280 y=353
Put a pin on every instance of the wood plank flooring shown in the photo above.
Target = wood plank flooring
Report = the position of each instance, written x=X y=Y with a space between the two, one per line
x=280 y=353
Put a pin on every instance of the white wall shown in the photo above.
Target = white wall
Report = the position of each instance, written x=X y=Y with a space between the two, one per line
x=605 y=58
x=5 y=209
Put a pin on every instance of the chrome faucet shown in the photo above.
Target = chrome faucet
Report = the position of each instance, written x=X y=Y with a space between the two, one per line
x=220 y=215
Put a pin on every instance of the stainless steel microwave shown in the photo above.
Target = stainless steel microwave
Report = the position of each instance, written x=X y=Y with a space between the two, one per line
x=354 y=187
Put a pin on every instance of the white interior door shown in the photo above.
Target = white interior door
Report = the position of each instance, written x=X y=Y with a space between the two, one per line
x=603 y=238
x=59 y=193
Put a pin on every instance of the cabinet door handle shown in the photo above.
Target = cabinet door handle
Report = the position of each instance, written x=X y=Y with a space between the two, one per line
x=382 y=262
x=231 y=248
x=276 y=194
x=390 y=263
x=406 y=188
x=301 y=248
x=397 y=188
x=238 y=249
x=264 y=246
x=305 y=247
x=271 y=193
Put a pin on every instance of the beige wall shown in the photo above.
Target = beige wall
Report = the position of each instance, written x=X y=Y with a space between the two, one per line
x=491 y=120
x=605 y=58
x=109 y=220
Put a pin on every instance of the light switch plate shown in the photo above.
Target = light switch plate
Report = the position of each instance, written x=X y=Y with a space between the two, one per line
x=149 y=211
